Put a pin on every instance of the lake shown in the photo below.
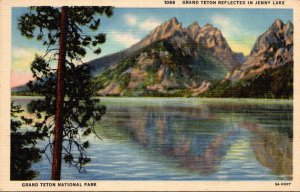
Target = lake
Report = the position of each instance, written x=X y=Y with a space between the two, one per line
x=187 y=139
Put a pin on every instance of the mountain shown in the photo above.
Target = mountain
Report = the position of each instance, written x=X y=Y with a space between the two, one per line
x=21 y=88
x=212 y=38
x=272 y=49
x=172 y=57
x=197 y=61
x=208 y=36
x=171 y=60
x=267 y=71
x=163 y=31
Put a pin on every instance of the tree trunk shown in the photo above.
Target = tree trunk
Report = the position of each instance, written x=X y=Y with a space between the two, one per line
x=59 y=124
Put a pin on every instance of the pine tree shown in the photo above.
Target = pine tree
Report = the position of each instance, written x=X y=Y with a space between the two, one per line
x=23 y=145
x=69 y=110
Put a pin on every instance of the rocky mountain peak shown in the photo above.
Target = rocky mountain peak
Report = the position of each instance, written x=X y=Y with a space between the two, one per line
x=289 y=24
x=170 y=26
x=278 y=35
x=163 y=31
x=208 y=26
x=194 y=30
x=288 y=33
x=272 y=49
x=195 y=36
x=173 y=20
x=212 y=38
x=278 y=24
x=194 y=26
x=289 y=28
x=214 y=34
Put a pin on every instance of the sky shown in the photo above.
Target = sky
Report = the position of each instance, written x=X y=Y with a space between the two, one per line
x=127 y=26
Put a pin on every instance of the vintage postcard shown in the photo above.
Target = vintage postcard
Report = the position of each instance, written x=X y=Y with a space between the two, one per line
x=163 y=95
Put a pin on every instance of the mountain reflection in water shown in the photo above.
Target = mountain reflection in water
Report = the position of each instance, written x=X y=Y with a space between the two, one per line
x=187 y=139
x=198 y=138
x=272 y=150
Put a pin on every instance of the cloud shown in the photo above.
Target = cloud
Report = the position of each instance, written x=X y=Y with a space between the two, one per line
x=130 y=19
x=226 y=25
x=125 y=38
x=146 y=25
x=20 y=52
x=23 y=57
x=149 y=24
x=21 y=61
x=238 y=39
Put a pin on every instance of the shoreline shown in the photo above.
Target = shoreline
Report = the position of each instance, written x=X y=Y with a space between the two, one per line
x=198 y=100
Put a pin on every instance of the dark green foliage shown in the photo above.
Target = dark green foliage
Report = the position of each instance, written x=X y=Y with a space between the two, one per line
x=272 y=83
x=124 y=81
x=24 y=93
x=115 y=74
x=170 y=93
x=201 y=66
x=183 y=69
x=80 y=110
x=208 y=66
x=23 y=145
x=43 y=24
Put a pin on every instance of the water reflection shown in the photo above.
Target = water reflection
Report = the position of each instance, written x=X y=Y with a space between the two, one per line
x=271 y=149
x=198 y=138
x=191 y=140
x=191 y=137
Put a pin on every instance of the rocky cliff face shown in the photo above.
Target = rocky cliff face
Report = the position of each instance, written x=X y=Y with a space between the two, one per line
x=194 y=30
x=163 y=68
x=169 y=60
x=178 y=61
x=208 y=37
x=272 y=49
x=212 y=39
x=163 y=31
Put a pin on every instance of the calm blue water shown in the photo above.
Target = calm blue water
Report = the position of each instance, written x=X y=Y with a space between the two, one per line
x=187 y=139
